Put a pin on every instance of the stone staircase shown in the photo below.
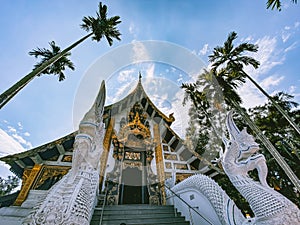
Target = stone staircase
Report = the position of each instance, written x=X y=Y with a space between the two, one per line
x=115 y=215
x=138 y=214
x=14 y=215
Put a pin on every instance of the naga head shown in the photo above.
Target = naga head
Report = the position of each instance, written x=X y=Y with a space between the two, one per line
x=93 y=118
x=246 y=143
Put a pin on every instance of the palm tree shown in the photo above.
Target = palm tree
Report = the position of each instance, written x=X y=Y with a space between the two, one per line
x=276 y=4
x=99 y=27
x=232 y=61
x=202 y=100
x=232 y=75
x=57 y=67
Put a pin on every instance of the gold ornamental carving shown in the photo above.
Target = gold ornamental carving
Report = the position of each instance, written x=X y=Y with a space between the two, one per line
x=106 y=148
x=159 y=163
x=30 y=176
x=48 y=172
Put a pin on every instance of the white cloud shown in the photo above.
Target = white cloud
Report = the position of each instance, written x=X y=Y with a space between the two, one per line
x=297 y=24
x=131 y=28
x=8 y=144
x=285 y=36
x=293 y=91
x=180 y=113
x=267 y=55
x=26 y=134
x=271 y=81
x=251 y=96
x=204 y=50
x=126 y=75
x=22 y=141
x=247 y=39
x=140 y=52
x=18 y=136
x=150 y=71
x=11 y=129
x=20 y=125
x=124 y=89
x=291 y=47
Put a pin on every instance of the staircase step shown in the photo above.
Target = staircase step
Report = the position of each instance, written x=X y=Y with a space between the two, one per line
x=15 y=211
x=137 y=212
x=141 y=214
x=136 y=216
x=134 y=211
x=143 y=221
x=140 y=206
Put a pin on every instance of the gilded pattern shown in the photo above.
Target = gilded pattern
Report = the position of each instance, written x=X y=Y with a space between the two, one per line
x=159 y=163
x=27 y=183
x=48 y=172
x=106 y=148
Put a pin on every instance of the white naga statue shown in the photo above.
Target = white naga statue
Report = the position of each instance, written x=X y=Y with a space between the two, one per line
x=73 y=198
x=240 y=157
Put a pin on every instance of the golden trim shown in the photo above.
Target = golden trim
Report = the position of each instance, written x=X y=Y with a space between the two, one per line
x=106 y=148
x=28 y=182
x=49 y=171
x=159 y=163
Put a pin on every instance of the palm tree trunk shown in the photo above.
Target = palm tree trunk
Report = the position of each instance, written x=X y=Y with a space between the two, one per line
x=270 y=147
x=13 y=90
x=288 y=118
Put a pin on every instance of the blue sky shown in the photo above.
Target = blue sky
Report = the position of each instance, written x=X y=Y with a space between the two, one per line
x=43 y=110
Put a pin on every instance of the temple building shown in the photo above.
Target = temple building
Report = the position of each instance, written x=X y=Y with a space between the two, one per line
x=140 y=152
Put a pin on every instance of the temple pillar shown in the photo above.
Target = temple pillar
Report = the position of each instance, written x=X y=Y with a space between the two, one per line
x=159 y=163
x=106 y=148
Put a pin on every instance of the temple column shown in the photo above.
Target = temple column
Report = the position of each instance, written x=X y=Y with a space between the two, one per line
x=106 y=148
x=159 y=163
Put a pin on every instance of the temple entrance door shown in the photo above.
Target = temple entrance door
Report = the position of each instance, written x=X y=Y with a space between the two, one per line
x=133 y=189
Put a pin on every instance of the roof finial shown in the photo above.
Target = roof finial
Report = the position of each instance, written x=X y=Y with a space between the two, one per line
x=140 y=76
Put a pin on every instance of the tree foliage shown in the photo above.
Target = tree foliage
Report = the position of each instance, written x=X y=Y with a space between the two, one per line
x=8 y=185
x=286 y=140
x=227 y=69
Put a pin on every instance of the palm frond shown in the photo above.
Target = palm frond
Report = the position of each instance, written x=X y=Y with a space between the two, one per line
x=228 y=44
x=244 y=47
x=274 y=4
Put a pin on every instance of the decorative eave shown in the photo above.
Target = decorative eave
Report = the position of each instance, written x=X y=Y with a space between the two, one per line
x=27 y=159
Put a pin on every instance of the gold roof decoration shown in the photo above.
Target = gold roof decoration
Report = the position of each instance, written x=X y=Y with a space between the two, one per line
x=137 y=128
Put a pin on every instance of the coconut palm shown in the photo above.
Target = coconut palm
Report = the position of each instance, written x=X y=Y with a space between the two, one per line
x=98 y=27
x=232 y=61
x=57 y=67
